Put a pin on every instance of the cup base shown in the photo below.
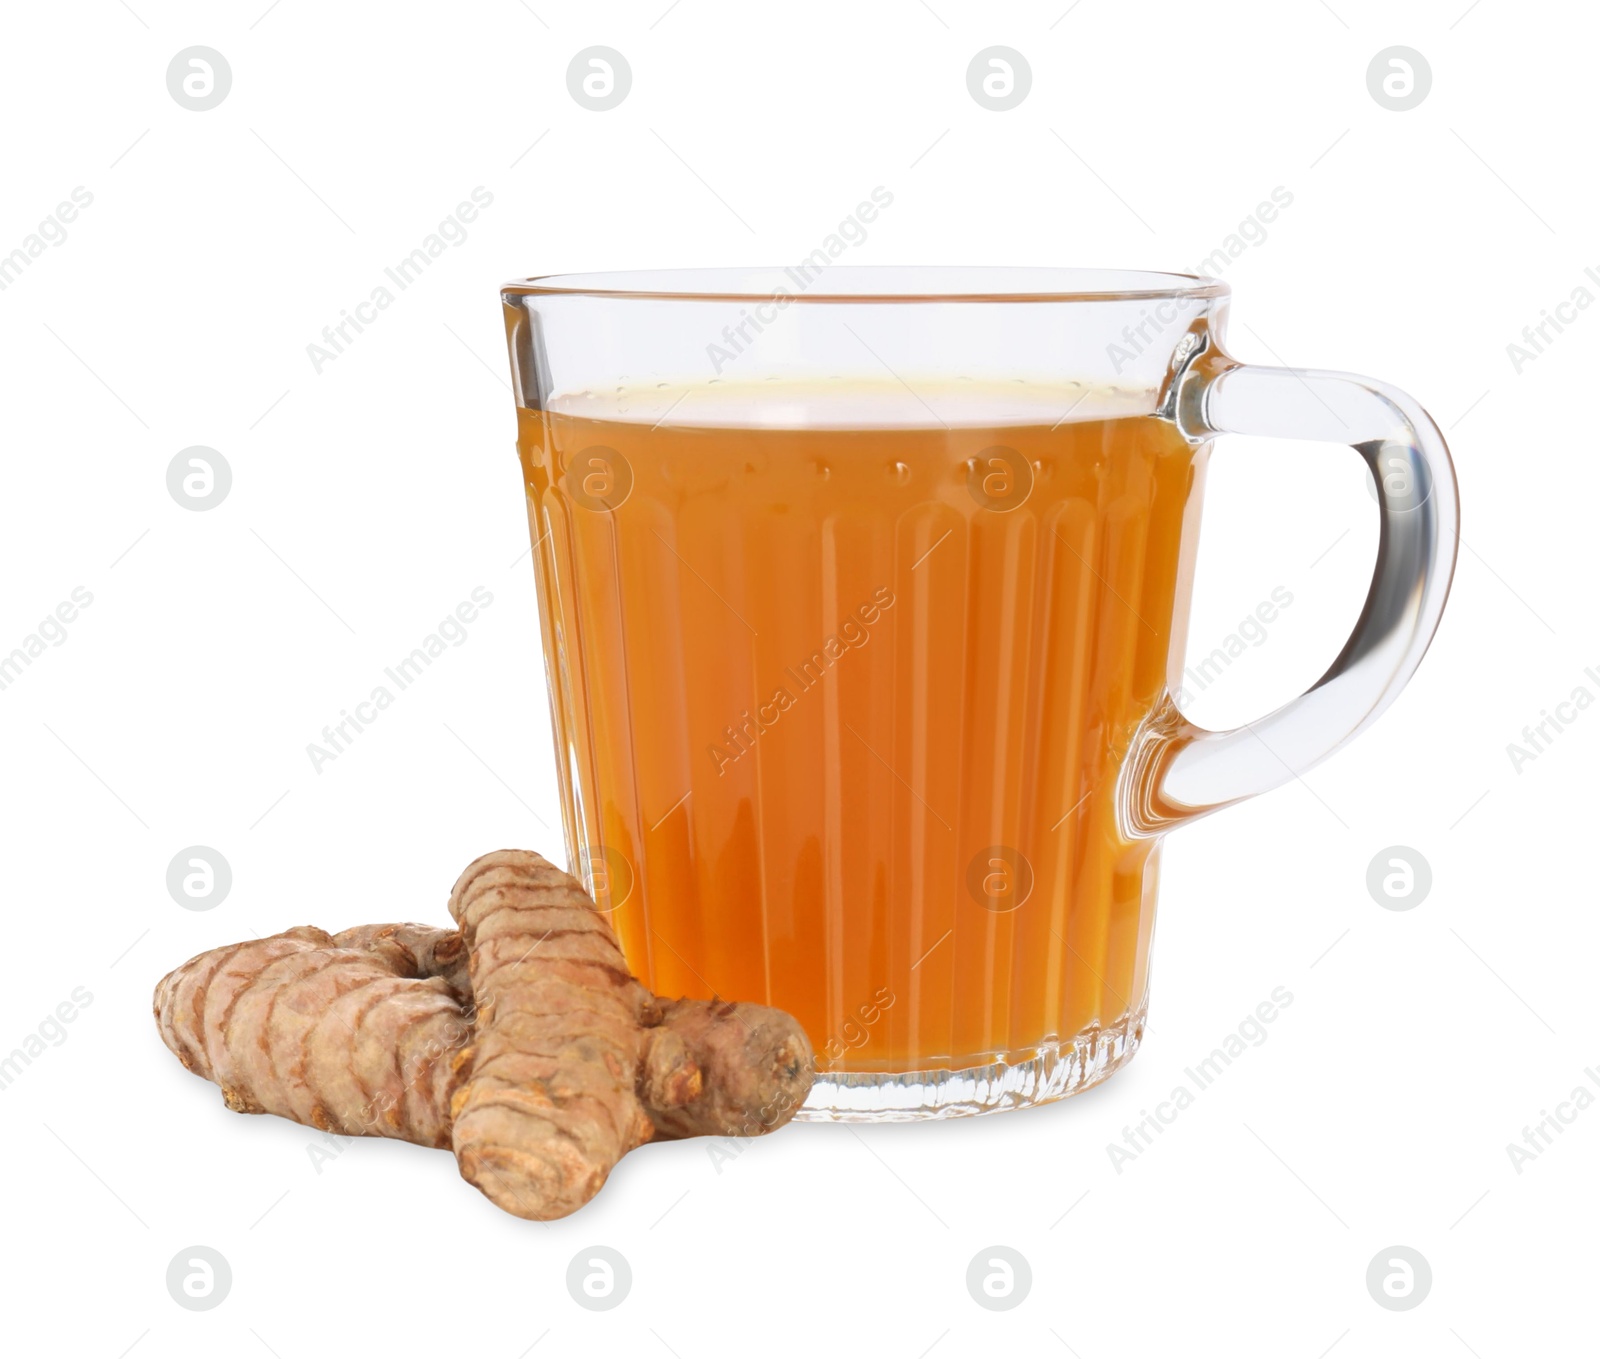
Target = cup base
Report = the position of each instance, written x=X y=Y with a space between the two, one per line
x=1016 y=1080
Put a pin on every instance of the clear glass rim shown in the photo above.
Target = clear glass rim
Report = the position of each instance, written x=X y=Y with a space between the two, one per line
x=873 y=283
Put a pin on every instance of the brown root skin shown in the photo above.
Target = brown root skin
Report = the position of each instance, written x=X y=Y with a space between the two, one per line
x=428 y=951
x=521 y=1040
x=551 y=1100
x=755 y=1063
x=350 y=1040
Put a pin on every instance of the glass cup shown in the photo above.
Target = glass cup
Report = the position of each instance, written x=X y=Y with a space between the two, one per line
x=863 y=594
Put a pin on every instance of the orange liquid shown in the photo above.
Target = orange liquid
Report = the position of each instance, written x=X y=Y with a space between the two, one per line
x=840 y=723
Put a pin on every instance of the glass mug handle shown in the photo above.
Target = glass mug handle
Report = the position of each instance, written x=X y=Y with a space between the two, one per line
x=1179 y=771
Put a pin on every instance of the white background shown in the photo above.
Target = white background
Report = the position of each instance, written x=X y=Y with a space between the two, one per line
x=369 y=500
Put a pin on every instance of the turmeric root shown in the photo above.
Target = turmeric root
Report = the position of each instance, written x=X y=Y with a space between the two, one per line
x=521 y=1040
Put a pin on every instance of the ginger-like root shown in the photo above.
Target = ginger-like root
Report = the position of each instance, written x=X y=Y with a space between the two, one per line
x=522 y=1040
x=351 y=1033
